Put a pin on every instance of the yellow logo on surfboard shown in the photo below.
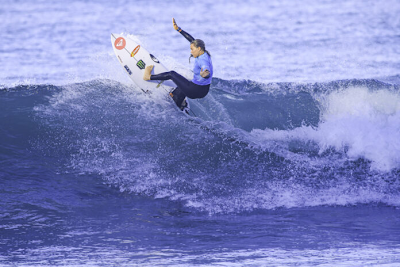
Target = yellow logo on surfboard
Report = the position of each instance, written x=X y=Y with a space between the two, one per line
x=134 y=52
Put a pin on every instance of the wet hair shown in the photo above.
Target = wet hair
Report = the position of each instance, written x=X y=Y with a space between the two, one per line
x=199 y=43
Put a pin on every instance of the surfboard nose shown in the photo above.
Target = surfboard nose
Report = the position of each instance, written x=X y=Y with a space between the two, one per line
x=115 y=36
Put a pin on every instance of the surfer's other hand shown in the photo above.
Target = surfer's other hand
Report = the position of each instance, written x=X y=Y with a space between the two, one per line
x=204 y=73
x=174 y=24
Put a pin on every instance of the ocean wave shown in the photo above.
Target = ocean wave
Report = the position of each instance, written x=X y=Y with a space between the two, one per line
x=252 y=146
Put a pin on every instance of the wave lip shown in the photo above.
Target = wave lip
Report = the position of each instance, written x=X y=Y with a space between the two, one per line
x=365 y=124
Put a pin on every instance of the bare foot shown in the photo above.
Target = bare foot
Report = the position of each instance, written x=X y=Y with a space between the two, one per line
x=147 y=72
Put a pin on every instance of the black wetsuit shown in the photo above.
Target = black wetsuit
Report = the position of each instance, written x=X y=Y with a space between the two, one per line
x=185 y=87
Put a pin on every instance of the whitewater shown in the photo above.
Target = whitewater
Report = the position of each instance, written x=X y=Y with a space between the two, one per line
x=293 y=159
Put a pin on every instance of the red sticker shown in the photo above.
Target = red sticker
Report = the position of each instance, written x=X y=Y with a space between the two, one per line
x=120 y=43
x=134 y=52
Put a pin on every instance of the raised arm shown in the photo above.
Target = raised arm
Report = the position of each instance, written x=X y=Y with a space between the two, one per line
x=185 y=34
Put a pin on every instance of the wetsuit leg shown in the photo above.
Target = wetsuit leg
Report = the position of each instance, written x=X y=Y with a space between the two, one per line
x=178 y=79
x=188 y=88
x=178 y=96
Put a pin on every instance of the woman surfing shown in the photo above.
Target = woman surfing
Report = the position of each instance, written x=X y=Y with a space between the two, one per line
x=199 y=86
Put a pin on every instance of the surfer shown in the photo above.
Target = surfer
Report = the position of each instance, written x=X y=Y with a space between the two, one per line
x=199 y=86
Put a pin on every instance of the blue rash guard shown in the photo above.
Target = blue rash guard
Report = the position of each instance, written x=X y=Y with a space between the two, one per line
x=202 y=62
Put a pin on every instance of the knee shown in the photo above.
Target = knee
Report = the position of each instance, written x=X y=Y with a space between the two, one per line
x=174 y=75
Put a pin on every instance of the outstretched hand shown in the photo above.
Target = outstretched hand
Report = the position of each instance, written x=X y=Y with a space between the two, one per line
x=174 y=24
x=205 y=73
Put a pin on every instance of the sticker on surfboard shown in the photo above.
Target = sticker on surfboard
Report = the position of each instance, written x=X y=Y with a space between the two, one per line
x=134 y=52
x=154 y=59
x=120 y=43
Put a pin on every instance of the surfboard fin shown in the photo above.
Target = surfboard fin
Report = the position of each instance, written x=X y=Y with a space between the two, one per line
x=158 y=85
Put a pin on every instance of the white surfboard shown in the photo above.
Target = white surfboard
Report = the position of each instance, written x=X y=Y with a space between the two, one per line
x=134 y=58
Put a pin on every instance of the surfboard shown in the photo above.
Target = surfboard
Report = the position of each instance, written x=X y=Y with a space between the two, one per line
x=134 y=58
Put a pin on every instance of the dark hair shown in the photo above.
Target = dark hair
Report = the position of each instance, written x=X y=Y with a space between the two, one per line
x=199 y=43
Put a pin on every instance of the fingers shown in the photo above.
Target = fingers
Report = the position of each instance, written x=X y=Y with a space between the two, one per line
x=204 y=73
x=174 y=24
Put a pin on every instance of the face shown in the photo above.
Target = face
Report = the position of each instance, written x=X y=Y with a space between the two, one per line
x=195 y=51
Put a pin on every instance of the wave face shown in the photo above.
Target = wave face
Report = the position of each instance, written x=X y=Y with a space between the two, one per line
x=251 y=146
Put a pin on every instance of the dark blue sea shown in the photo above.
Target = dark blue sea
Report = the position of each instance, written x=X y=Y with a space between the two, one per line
x=293 y=159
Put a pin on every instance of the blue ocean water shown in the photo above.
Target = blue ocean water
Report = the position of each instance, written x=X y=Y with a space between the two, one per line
x=293 y=159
